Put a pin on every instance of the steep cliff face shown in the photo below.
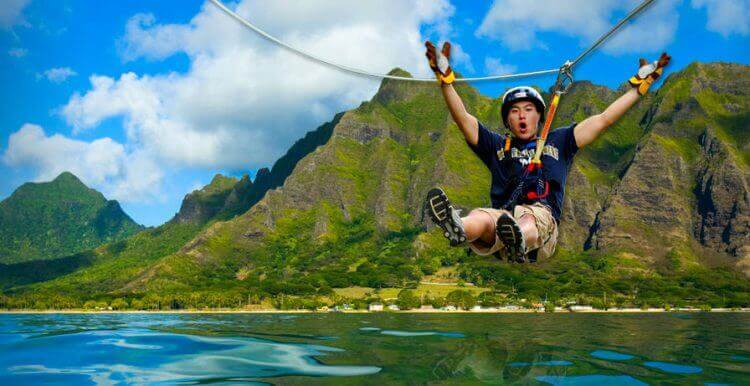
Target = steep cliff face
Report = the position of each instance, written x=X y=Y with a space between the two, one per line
x=381 y=160
x=723 y=199
x=201 y=205
x=721 y=187
x=648 y=204
x=226 y=197
x=687 y=183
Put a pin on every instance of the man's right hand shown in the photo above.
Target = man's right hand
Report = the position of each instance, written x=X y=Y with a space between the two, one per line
x=440 y=62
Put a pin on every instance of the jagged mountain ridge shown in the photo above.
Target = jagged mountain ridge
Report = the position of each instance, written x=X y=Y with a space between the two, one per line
x=112 y=265
x=225 y=197
x=687 y=184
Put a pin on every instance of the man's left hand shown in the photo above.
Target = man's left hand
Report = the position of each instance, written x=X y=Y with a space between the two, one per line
x=648 y=73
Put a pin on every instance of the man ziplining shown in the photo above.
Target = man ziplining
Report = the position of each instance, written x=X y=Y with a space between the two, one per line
x=527 y=189
x=527 y=184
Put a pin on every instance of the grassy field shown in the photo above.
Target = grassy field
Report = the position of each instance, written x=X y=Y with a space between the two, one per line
x=433 y=290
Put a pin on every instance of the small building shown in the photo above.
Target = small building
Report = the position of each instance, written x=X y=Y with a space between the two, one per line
x=426 y=307
x=449 y=308
x=579 y=307
x=393 y=307
x=476 y=308
x=375 y=307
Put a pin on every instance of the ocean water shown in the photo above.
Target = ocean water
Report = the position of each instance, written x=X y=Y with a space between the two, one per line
x=375 y=349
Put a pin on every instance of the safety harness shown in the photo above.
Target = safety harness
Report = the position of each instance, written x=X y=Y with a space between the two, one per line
x=533 y=185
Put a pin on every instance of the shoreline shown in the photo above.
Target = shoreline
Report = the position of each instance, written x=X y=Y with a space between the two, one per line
x=610 y=311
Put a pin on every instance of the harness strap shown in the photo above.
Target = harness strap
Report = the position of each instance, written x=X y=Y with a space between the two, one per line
x=540 y=190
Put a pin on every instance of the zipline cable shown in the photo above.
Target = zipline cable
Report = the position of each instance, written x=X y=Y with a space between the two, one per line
x=617 y=26
x=357 y=71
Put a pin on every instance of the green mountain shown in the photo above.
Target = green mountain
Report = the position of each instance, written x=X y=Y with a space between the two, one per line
x=656 y=210
x=43 y=221
x=113 y=265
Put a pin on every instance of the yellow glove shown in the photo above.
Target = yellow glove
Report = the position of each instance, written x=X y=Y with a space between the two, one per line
x=648 y=73
x=440 y=62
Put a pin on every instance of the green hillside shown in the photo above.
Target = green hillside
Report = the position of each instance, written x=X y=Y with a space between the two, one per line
x=42 y=221
x=113 y=265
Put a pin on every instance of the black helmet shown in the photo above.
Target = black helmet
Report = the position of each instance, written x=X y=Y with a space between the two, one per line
x=522 y=93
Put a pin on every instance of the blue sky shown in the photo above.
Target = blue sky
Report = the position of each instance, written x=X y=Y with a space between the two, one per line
x=147 y=100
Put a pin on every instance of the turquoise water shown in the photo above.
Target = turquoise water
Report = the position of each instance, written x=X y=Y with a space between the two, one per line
x=376 y=349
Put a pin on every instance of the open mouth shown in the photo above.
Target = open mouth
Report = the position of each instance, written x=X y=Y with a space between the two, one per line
x=522 y=126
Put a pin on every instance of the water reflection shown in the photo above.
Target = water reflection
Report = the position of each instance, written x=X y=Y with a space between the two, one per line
x=142 y=356
x=378 y=349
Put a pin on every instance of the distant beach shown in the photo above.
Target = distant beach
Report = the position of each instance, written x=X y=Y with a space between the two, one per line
x=415 y=311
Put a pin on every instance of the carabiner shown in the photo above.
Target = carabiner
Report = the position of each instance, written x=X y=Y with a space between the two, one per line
x=564 y=78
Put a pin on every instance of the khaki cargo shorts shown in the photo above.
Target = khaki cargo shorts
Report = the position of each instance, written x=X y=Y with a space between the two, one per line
x=545 y=223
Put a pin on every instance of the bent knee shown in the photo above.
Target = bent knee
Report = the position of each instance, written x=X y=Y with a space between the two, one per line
x=481 y=215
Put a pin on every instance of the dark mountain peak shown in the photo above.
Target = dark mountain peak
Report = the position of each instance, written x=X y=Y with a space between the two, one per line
x=68 y=183
x=48 y=220
x=219 y=183
x=263 y=177
x=65 y=186
x=718 y=76
x=201 y=205
x=392 y=90
x=399 y=72
x=67 y=177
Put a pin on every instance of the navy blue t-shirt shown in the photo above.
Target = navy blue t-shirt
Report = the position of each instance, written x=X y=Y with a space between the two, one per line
x=557 y=157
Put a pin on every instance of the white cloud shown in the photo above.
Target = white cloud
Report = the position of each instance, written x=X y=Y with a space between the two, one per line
x=18 y=52
x=11 y=13
x=460 y=59
x=726 y=16
x=145 y=39
x=103 y=163
x=243 y=101
x=518 y=22
x=58 y=75
x=494 y=66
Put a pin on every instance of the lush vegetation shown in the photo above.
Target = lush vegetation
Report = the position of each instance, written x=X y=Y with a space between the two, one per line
x=41 y=221
x=299 y=272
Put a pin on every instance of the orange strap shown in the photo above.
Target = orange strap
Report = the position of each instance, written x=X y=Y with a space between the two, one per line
x=545 y=131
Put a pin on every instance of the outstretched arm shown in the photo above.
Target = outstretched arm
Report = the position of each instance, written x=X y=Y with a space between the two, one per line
x=466 y=122
x=591 y=127
x=440 y=64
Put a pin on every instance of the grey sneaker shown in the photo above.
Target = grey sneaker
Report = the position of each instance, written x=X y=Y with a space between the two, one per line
x=510 y=234
x=443 y=214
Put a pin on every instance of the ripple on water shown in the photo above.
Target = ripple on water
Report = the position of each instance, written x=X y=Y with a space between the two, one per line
x=422 y=333
x=541 y=363
x=125 y=344
x=610 y=355
x=585 y=380
x=673 y=368
x=126 y=357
